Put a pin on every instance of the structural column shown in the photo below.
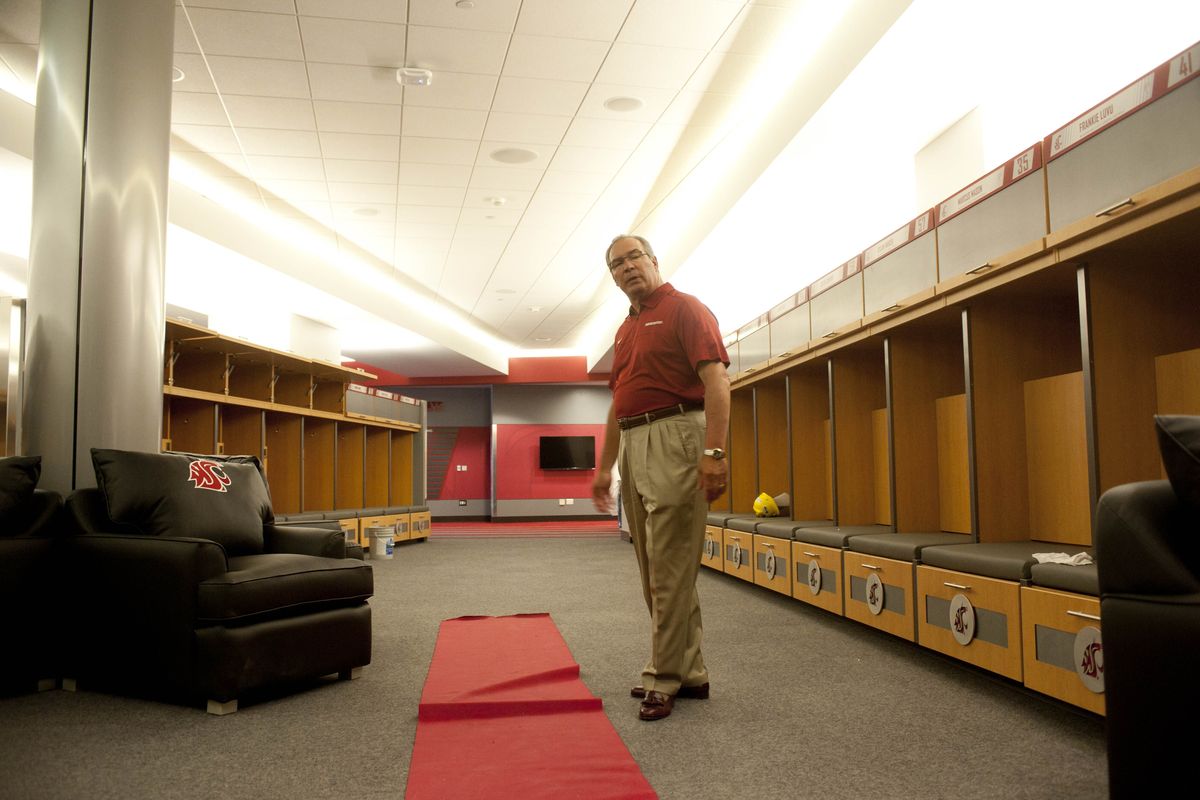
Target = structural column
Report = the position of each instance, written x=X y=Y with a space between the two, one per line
x=96 y=316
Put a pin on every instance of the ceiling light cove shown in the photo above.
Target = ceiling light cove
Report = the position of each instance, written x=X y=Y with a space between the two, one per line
x=513 y=155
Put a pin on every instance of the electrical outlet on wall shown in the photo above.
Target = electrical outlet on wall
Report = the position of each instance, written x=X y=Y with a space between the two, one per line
x=570 y=501
x=562 y=502
x=462 y=502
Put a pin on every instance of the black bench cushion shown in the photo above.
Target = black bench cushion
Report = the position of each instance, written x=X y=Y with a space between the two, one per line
x=830 y=535
x=785 y=528
x=745 y=524
x=904 y=546
x=418 y=509
x=282 y=584
x=718 y=518
x=1080 y=580
x=396 y=510
x=342 y=513
x=304 y=516
x=1008 y=561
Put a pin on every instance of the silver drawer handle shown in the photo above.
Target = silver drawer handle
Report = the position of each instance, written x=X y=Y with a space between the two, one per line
x=735 y=538
x=1128 y=201
x=810 y=555
x=1085 y=616
x=830 y=335
x=894 y=307
x=870 y=566
x=984 y=267
x=767 y=544
x=784 y=355
x=956 y=586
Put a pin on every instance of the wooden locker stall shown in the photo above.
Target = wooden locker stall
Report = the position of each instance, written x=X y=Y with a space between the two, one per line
x=320 y=452
x=861 y=453
x=743 y=463
x=378 y=466
x=283 y=434
x=812 y=456
x=190 y=425
x=350 y=460
x=240 y=431
x=402 y=468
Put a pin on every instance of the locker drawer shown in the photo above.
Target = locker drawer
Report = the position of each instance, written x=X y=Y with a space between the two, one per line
x=1051 y=622
x=817 y=576
x=891 y=595
x=989 y=623
x=739 y=554
x=771 y=561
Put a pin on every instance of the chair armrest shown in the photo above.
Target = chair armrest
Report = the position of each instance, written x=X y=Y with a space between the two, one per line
x=1146 y=542
x=304 y=541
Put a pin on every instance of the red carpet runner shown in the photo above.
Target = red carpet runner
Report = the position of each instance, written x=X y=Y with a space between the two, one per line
x=505 y=715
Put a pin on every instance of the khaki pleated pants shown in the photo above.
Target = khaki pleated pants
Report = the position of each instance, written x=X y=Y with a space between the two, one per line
x=666 y=514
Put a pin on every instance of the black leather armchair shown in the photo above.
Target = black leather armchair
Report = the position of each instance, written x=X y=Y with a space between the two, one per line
x=29 y=593
x=1148 y=561
x=194 y=618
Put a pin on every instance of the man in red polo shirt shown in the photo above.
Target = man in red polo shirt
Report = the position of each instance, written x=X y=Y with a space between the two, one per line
x=667 y=424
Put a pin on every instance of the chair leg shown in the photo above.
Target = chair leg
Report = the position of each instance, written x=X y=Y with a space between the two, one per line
x=219 y=709
x=350 y=674
x=68 y=685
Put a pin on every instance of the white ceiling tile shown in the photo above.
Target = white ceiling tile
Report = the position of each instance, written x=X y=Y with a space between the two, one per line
x=215 y=163
x=443 y=175
x=543 y=153
x=419 y=150
x=356 y=84
x=450 y=50
x=424 y=269
x=493 y=15
x=346 y=171
x=534 y=96
x=508 y=217
x=432 y=215
x=429 y=195
x=287 y=168
x=376 y=193
x=283 y=113
x=678 y=23
x=574 y=19
x=547 y=204
x=333 y=115
x=490 y=238
x=259 y=76
x=646 y=65
x=437 y=248
x=364 y=229
x=185 y=40
x=208 y=138
x=505 y=178
x=382 y=247
x=606 y=133
x=727 y=73
x=444 y=123
x=422 y=230
x=589 y=159
x=361 y=146
x=267 y=6
x=588 y=182
x=243 y=187
x=297 y=190
x=366 y=213
x=311 y=209
x=525 y=128
x=270 y=142
x=554 y=59
x=756 y=30
x=195 y=74
x=373 y=10
x=197 y=108
x=654 y=102
x=337 y=41
x=454 y=90
x=486 y=198
x=247 y=33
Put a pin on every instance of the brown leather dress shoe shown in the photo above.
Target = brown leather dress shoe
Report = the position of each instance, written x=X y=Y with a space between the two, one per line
x=656 y=705
x=690 y=692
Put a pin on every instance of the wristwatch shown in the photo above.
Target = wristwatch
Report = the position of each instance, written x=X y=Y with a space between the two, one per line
x=715 y=452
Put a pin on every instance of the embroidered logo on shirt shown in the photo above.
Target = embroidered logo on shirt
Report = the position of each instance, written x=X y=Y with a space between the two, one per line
x=655 y=322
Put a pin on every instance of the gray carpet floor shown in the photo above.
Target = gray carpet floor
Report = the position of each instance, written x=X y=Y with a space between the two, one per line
x=804 y=704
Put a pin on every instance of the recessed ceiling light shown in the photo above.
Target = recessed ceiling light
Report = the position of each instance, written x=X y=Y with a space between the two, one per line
x=495 y=200
x=506 y=291
x=623 y=103
x=541 y=338
x=535 y=308
x=366 y=212
x=465 y=3
x=414 y=76
x=177 y=75
x=513 y=155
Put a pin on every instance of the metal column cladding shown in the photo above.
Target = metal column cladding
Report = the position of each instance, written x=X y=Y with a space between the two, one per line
x=97 y=247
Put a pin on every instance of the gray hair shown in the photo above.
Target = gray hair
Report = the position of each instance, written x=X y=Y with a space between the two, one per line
x=641 y=240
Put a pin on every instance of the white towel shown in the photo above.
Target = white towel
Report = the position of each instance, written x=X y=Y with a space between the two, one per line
x=1077 y=560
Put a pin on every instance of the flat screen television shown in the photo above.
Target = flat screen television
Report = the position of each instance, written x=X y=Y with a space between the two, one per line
x=567 y=452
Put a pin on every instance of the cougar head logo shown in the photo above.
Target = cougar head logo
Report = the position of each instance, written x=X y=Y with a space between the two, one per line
x=1093 y=660
x=960 y=623
x=208 y=475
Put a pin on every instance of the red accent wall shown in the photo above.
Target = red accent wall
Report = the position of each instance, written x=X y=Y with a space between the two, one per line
x=518 y=476
x=471 y=449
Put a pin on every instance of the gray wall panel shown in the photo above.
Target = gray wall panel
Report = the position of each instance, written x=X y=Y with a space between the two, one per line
x=551 y=405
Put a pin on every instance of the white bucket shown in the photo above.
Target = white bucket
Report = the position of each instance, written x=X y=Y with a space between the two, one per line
x=381 y=542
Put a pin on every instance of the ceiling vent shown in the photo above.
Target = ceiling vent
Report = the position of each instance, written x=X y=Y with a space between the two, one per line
x=413 y=76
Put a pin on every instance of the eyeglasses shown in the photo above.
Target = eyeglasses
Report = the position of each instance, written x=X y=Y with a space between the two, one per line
x=616 y=263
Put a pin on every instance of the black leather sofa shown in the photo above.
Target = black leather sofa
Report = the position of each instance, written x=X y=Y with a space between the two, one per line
x=30 y=607
x=181 y=586
x=1148 y=560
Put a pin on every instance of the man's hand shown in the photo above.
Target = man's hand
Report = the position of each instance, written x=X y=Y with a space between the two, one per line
x=602 y=492
x=713 y=474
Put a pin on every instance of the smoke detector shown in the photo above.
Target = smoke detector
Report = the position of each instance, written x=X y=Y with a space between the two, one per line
x=413 y=76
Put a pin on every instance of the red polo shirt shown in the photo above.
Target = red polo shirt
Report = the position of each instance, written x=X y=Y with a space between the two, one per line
x=658 y=350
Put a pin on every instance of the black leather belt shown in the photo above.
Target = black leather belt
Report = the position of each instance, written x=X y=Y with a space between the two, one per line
x=625 y=423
